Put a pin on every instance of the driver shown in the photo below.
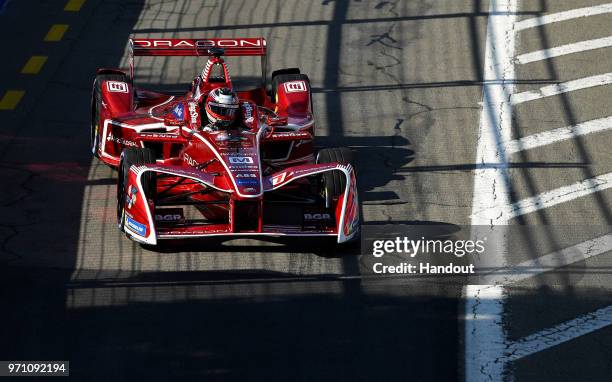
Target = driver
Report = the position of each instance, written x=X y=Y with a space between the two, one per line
x=222 y=108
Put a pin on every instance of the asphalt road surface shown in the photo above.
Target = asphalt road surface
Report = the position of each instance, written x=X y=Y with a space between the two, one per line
x=401 y=83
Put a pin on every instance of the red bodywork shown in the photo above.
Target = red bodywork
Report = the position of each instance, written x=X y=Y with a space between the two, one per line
x=259 y=178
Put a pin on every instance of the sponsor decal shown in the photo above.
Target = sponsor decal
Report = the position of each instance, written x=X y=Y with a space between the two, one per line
x=178 y=111
x=193 y=112
x=352 y=212
x=245 y=175
x=159 y=135
x=206 y=70
x=240 y=160
x=247 y=182
x=190 y=161
x=116 y=87
x=237 y=138
x=111 y=138
x=317 y=216
x=137 y=227
x=249 y=190
x=291 y=134
x=243 y=168
x=222 y=136
x=168 y=218
x=295 y=87
x=131 y=196
x=177 y=43
x=280 y=178
x=247 y=111
x=169 y=215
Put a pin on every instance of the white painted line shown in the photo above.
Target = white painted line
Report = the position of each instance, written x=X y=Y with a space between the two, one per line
x=550 y=262
x=558 y=135
x=484 y=334
x=491 y=183
x=563 y=16
x=563 y=50
x=561 y=195
x=559 y=334
x=564 y=87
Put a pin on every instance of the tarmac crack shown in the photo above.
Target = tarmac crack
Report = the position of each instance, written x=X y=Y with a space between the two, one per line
x=385 y=39
x=384 y=4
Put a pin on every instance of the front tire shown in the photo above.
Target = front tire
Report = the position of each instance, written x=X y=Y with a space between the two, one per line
x=334 y=182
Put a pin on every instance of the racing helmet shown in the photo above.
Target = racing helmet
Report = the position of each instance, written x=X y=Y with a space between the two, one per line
x=221 y=106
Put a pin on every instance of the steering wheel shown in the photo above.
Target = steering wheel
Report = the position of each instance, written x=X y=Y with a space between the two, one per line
x=265 y=114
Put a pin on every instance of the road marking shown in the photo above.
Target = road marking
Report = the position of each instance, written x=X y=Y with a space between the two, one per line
x=74 y=5
x=34 y=65
x=558 y=135
x=561 y=195
x=564 y=87
x=484 y=313
x=11 y=99
x=56 y=32
x=559 y=334
x=484 y=333
x=563 y=50
x=550 y=262
x=562 y=16
x=491 y=183
x=485 y=338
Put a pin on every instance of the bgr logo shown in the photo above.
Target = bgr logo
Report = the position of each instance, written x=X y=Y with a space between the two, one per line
x=295 y=87
x=317 y=217
x=168 y=217
x=116 y=86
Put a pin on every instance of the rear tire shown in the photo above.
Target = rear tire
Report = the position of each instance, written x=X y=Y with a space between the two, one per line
x=96 y=103
x=334 y=182
x=132 y=156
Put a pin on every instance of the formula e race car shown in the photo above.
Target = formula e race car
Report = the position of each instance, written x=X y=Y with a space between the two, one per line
x=183 y=175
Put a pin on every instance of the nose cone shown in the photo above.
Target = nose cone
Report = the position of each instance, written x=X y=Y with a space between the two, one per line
x=240 y=154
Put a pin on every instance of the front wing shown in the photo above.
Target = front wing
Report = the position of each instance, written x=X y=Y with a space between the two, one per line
x=140 y=222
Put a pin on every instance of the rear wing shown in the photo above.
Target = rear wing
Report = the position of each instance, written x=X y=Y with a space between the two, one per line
x=197 y=47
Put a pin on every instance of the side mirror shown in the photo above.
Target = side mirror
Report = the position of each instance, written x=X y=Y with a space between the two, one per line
x=274 y=121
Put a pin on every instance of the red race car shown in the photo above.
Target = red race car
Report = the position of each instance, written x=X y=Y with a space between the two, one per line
x=215 y=161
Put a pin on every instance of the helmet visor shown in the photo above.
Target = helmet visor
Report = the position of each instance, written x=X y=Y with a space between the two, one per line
x=223 y=110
